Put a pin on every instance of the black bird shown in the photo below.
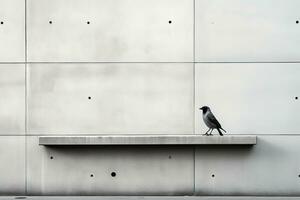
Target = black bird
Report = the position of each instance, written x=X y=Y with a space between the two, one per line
x=211 y=121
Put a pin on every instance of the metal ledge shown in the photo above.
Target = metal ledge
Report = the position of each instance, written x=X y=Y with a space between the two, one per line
x=147 y=140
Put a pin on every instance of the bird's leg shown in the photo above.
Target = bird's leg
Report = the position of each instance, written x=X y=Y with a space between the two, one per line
x=211 y=131
x=207 y=132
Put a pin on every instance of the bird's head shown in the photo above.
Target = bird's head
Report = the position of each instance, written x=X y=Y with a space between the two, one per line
x=204 y=109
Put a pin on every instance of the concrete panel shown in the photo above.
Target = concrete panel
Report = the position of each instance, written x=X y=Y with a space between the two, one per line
x=269 y=168
x=12 y=101
x=247 y=30
x=147 y=140
x=110 y=30
x=12 y=168
x=110 y=98
x=12 y=30
x=250 y=98
x=90 y=170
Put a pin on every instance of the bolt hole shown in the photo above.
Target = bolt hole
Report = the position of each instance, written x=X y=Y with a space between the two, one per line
x=299 y=175
x=88 y=22
x=113 y=174
x=170 y=22
x=51 y=157
x=50 y=22
x=1 y=22
x=170 y=157
x=297 y=22
x=89 y=97
x=213 y=175
x=92 y=175
x=296 y=98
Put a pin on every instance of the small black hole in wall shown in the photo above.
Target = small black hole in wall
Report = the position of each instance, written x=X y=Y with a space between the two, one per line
x=50 y=22
x=296 y=98
x=170 y=157
x=299 y=175
x=92 y=175
x=88 y=22
x=51 y=157
x=89 y=97
x=213 y=175
x=297 y=22
x=113 y=174
x=170 y=22
x=1 y=22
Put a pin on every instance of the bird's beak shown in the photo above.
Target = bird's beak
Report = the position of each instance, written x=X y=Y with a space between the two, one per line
x=200 y=108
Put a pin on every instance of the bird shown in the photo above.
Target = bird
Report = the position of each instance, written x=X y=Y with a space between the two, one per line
x=210 y=121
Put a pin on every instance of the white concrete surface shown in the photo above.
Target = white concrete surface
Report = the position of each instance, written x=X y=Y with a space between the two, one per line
x=88 y=170
x=125 y=98
x=272 y=163
x=119 y=31
x=12 y=101
x=247 y=31
x=153 y=87
x=12 y=31
x=249 y=98
x=12 y=165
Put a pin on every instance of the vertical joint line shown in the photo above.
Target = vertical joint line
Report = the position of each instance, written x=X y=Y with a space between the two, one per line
x=25 y=139
x=194 y=65
x=194 y=29
x=25 y=34
x=194 y=189
x=194 y=96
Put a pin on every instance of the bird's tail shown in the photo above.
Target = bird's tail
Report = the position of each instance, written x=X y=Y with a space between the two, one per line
x=220 y=131
x=223 y=129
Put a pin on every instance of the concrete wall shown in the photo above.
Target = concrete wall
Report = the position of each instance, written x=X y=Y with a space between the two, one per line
x=86 y=67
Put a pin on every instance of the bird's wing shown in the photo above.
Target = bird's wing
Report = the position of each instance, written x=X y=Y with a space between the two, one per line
x=213 y=119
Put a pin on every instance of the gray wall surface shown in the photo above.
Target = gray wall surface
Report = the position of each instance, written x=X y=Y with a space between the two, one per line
x=88 y=67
